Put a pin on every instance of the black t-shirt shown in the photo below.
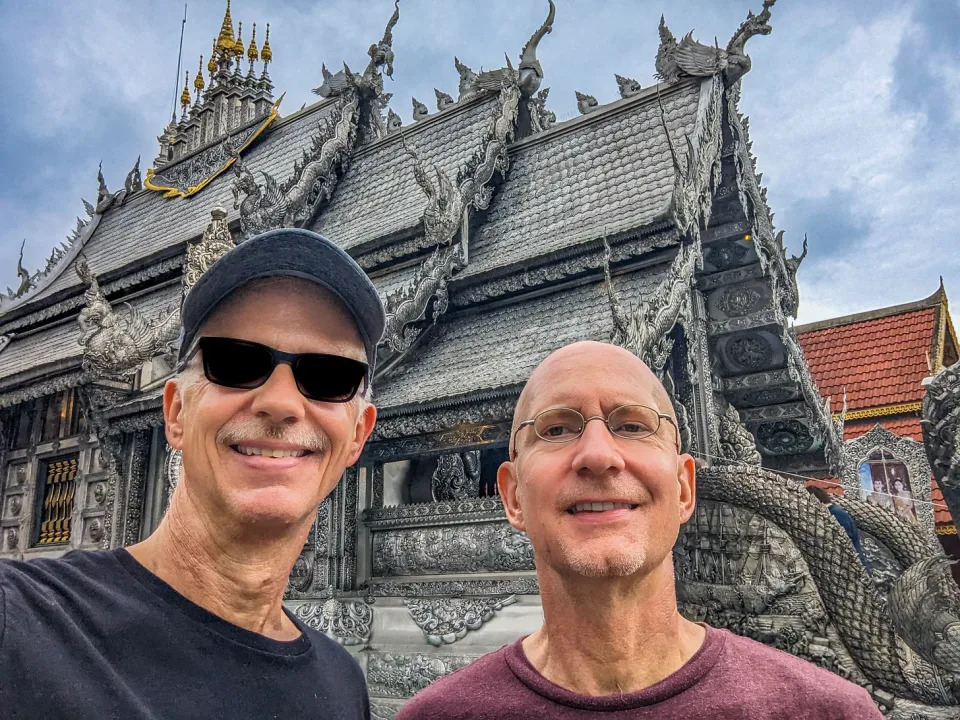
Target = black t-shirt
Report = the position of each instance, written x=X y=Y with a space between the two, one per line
x=96 y=635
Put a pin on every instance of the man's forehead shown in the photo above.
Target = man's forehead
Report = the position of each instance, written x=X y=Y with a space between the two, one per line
x=589 y=373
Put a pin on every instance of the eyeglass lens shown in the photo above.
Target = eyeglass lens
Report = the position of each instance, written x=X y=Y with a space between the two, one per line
x=632 y=422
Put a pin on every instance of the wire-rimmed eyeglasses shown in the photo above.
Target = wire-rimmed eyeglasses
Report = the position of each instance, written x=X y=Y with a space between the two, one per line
x=631 y=422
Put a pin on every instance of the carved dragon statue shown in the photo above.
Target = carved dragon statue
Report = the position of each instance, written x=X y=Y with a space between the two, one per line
x=540 y=117
x=447 y=207
x=370 y=82
x=26 y=281
x=394 y=123
x=116 y=344
x=907 y=659
x=314 y=176
x=528 y=75
x=737 y=444
x=645 y=330
x=360 y=101
x=689 y=58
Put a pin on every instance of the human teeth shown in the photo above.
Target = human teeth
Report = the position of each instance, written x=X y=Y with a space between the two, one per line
x=270 y=452
x=601 y=506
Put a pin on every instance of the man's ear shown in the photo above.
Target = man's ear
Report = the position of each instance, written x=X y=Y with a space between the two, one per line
x=508 y=485
x=365 y=422
x=687 y=486
x=172 y=414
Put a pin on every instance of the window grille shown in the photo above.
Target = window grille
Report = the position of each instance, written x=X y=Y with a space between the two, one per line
x=59 y=487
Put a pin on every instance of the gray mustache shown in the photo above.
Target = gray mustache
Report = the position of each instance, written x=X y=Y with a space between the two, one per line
x=243 y=431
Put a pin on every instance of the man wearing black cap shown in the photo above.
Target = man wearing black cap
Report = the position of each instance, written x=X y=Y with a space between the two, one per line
x=269 y=406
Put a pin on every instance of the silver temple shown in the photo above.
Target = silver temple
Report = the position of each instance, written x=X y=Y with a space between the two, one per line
x=495 y=234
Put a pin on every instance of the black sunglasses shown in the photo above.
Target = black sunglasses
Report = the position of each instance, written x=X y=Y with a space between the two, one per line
x=243 y=364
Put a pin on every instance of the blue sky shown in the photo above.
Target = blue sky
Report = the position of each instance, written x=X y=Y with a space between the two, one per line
x=854 y=107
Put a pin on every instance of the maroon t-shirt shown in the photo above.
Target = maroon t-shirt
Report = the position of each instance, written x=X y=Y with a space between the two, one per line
x=728 y=677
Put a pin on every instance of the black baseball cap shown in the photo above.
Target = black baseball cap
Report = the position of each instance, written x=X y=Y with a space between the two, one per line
x=287 y=252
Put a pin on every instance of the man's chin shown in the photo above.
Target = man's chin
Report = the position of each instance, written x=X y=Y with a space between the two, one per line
x=271 y=507
x=604 y=565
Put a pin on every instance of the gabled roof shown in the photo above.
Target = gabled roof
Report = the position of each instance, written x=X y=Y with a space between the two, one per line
x=879 y=357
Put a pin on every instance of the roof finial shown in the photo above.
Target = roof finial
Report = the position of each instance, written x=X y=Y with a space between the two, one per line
x=531 y=73
x=212 y=64
x=198 y=83
x=238 y=45
x=252 y=54
x=225 y=40
x=185 y=95
x=266 y=54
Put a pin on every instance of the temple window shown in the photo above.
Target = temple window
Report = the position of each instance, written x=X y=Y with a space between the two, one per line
x=59 y=416
x=884 y=481
x=21 y=432
x=56 y=496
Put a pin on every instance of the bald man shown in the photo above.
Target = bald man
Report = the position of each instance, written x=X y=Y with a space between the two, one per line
x=597 y=480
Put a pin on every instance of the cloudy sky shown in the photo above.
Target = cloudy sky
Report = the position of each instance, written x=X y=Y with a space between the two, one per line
x=854 y=107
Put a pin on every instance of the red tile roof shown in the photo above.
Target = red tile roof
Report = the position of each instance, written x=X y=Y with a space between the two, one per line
x=879 y=361
x=907 y=426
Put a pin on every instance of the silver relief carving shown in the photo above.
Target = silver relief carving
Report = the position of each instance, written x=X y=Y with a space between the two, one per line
x=398 y=675
x=216 y=242
x=488 y=547
x=446 y=620
x=346 y=621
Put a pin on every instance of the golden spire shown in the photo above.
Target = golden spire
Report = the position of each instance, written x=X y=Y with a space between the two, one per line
x=212 y=64
x=238 y=45
x=185 y=95
x=252 y=54
x=265 y=53
x=225 y=40
x=198 y=80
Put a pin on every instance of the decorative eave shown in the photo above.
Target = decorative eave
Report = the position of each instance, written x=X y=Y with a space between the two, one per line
x=882 y=411
x=179 y=179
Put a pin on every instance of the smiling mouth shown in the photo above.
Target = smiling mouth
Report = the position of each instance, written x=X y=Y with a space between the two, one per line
x=588 y=507
x=269 y=452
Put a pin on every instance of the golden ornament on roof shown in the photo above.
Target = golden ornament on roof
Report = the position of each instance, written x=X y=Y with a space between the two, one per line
x=198 y=80
x=185 y=95
x=238 y=45
x=252 y=54
x=212 y=64
x=225 y=40
x=265 y=53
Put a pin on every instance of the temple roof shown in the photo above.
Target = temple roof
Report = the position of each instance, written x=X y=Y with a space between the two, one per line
x=505 y=344
x=879 y=357
x=605 y=173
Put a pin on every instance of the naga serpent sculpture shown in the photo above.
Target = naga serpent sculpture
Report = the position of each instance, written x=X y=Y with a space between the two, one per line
x=857 y=610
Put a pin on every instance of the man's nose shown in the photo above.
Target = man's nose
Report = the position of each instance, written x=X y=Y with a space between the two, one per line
x=596 y=450
x=279 y=397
